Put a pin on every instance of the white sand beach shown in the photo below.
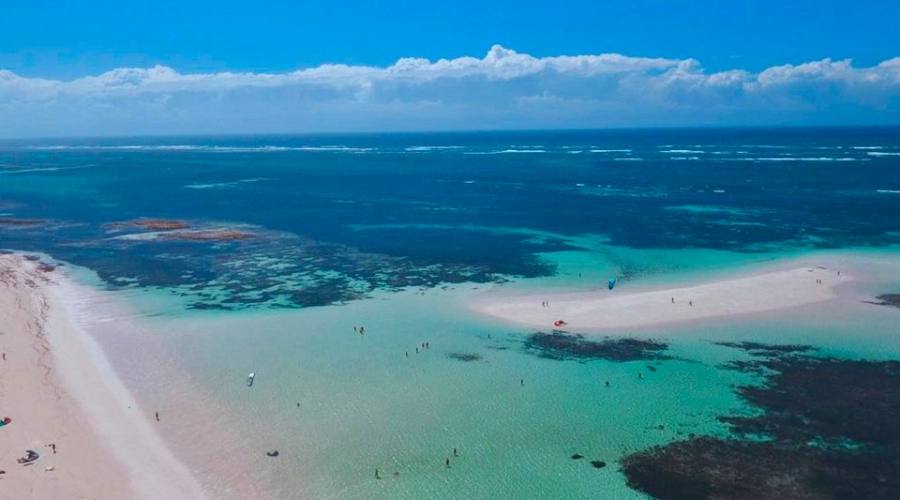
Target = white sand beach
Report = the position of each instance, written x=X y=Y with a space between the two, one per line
x=67 y=404
x=763 y=291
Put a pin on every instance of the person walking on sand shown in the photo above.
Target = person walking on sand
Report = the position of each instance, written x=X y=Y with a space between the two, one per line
x=157 y=416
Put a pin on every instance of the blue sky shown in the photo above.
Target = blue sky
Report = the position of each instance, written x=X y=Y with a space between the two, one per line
x=46 y=42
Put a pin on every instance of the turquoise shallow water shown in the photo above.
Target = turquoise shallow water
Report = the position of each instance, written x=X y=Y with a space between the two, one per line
x=364 y=404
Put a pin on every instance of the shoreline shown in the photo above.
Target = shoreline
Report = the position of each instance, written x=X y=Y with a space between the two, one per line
x=60 y=389
x=779 y=286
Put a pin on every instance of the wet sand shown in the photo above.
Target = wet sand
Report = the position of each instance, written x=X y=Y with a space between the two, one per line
x=59 y=389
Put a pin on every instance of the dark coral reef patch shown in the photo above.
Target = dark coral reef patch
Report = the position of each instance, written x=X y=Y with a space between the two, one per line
x=568 y=346
x=207 y=235
x=14 y=222
x=464 y=356
x=887 y=299
x=176 y=229
x=707 y=467
x=826 y=428
x=147 y=224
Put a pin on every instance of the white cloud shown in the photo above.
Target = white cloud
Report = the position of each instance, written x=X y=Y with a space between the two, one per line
x=503 y=89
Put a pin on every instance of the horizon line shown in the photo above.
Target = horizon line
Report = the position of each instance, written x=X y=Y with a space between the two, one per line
x=458 y=131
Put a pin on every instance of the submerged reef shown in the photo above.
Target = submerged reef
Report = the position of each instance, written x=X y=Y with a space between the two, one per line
x=826 y=401
x=173 y=229
x=887 y=299
x=14 y=222
x=239 y=266
x=566 y=346
x=148 y=224
x=706 y=467
x=464 y=356
x=229 y=265
x=825 y=428
x=772 y=350
x=207 y=235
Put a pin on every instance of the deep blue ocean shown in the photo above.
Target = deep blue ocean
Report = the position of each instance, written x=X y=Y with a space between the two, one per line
x=335 y=216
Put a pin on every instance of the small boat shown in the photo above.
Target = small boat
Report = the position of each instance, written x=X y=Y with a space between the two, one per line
x=250 y=378
x=559 y=323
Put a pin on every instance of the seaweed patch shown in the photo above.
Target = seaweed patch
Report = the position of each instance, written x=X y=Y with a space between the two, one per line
x=826 y=428
x=221 y=266
x=886 y=299
x=148 y=224
x=825 y=400
x=13 y=222
x=706 y=467
x=566 y=346
x=761 y=349
x=464 y=356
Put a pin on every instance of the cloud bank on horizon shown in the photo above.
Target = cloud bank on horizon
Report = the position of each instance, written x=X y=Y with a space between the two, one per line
x=504 y=89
